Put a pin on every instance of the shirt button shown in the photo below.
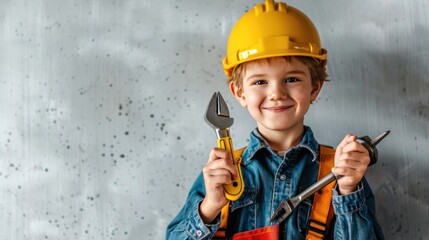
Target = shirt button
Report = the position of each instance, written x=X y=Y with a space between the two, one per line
x=199 y=233
x=283 y=177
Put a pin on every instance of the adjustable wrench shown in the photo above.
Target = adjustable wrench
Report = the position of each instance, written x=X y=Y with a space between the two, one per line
x=217 y=117
x=287 y=206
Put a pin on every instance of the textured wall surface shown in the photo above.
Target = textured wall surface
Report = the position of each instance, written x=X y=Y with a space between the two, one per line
x=102 y=103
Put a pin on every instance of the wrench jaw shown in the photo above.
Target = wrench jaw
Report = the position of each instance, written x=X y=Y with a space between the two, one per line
x=217 y=116
x=281 y=213
x=284 y=210
x=221 y=107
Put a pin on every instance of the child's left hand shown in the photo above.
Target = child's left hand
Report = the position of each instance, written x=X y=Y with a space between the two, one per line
x=351 y=161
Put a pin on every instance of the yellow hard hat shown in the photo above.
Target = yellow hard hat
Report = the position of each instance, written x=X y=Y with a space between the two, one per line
x=271 y=30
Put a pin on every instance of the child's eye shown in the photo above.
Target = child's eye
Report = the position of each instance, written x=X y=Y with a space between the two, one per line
x=291 y=80
x=260 y=82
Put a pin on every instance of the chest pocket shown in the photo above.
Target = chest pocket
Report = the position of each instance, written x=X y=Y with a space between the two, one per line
x=303 y=213
x=304 y=208
x=248 y=198
x=243 y=212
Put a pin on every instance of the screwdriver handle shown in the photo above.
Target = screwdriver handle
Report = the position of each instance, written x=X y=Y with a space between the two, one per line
x=234 y=190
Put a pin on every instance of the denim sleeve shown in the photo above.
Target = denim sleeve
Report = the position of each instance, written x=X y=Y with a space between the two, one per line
x=355 y=214
x=188 y=223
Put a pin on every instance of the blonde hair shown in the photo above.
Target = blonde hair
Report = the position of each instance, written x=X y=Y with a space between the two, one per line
x=315 y=66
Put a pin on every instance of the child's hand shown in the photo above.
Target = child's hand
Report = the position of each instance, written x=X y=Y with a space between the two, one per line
x=351 y=162
x=218 y=171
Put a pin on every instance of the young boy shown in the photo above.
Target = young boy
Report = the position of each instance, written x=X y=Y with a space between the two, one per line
x=276 y=69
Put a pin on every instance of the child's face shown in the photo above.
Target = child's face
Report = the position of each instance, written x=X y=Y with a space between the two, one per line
x=277 y=94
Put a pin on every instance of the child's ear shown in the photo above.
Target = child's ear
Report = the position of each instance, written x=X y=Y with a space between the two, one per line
x=316 y=90
x=237 y=92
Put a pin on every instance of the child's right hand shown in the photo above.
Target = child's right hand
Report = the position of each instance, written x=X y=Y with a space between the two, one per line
x=218 y=171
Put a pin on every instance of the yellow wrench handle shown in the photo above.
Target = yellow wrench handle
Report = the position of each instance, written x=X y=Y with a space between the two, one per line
x=234 y=190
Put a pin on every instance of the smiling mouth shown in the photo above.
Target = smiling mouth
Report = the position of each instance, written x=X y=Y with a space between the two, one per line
x=278 y=109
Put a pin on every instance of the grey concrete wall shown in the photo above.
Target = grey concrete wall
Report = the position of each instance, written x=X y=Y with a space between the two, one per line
x=102 y=103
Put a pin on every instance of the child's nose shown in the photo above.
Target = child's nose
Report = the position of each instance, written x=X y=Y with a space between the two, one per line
x=277 y=92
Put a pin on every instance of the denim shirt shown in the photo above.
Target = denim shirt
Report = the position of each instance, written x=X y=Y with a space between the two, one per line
x=269 y=179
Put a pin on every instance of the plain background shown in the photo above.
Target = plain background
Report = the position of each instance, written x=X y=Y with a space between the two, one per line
x=102 y=105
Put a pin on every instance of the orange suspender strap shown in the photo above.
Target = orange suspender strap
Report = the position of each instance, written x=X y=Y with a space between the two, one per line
x=322 y=211
x=221 y=232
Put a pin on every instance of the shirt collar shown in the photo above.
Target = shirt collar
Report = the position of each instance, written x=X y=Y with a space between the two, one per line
x=257 y=142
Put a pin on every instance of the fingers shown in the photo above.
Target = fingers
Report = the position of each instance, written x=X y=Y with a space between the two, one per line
x=218 y=171
x=351 y=162
x=353 y=159
x=220 y=164
x=354 y=147
x=347 y=139
x=347 y=180
x=356 y=172
x=351 y=171
x=349 y=146
x=219 y=153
